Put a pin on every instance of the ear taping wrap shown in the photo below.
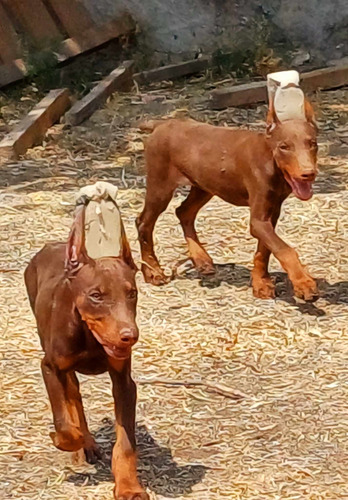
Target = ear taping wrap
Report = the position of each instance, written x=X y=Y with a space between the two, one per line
x=287 y=96
x=103 y=224
x=75 y=246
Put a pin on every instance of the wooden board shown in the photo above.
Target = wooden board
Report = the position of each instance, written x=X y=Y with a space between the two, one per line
x=94 y=37
x=72 y=47
x=327 y=78
x=32 y=129
x=118 y=79
x=9 y=42
x=251 y=93
x=173 y=71
x=72 y=15
x=239 y=95
x=34 y=19
x=12 y=72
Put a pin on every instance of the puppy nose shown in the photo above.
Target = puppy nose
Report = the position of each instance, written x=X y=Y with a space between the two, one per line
x=129 y=336
x=308 y=175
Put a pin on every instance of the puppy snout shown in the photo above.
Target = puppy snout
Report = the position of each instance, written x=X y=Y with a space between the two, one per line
x=308 y=175
x=129 y=336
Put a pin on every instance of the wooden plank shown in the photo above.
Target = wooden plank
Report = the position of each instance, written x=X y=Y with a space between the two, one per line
x=173 y=71
x=72 y=47
x=34 y=19
x=12 y=72
x=9 y=42
x=326 y=78
x=251 y=93
x=239 y=95
x=72 y=14
x=94 y=37
x=118 y=79
x=31 y=130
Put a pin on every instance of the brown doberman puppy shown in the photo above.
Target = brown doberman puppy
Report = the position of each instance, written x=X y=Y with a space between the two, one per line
x=245 y=168
x=85 y=311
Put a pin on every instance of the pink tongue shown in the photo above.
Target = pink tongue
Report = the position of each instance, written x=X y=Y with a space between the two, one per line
x=301 y=189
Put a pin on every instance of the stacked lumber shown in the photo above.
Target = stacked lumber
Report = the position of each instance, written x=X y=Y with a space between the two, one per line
x=63 y=24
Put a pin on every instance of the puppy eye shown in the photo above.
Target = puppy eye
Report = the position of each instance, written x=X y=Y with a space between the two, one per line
x=131 y=294
x=95 y=296
x=284 y=147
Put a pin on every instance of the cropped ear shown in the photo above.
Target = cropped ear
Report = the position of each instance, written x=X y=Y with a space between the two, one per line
x=272 y=120
x=76 y=254
x=126 y=253
x=309 y=113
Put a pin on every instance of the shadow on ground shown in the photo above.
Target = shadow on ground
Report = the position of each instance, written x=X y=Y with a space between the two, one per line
x=240 y=277
x=30 y=176
x=156 y=467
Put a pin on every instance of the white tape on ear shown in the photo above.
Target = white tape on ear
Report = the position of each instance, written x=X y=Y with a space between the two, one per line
x=288 y=98
x=289 y=104
x=103 y=223
x=99 y=190
x=103 y=229
x=281 y=79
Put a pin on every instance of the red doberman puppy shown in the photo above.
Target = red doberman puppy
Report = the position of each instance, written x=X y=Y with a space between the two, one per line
x=245 y=168
x=85 y=311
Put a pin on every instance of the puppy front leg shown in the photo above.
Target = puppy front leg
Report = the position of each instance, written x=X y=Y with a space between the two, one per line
x=124 y=457
x=304 y=285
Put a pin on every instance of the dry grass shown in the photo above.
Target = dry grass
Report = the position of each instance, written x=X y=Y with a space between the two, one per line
x=286 y=438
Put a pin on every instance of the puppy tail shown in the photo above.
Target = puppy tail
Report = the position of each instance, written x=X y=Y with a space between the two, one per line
x=150 y=125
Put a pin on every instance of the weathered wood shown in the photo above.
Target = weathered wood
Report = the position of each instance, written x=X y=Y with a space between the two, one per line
x=31 y=130
x=95 y=36
x=34 y=19
x=72 y=47
x=9 y=42
x=250 y=93
x=240 y=95
x=173 y=71
x=72 y=14
x=12 y=72
x=326 y=78
x=118 y=79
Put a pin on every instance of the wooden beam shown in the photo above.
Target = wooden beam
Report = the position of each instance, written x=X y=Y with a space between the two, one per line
x=12 y=72
x=173 y=71
x=94 y=37
x=251 y=93
x=34 y=19
x=72 y=47
x=239 y=95
x=9 y=42
x=326 y=78
x=72 y=14
x=31 y=130
x=118 y=79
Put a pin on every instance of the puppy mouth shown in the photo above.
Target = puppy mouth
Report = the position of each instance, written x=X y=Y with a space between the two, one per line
x=302 y=189
x=115 y=352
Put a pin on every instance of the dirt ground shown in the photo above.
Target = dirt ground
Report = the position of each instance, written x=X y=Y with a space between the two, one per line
x=285 y=436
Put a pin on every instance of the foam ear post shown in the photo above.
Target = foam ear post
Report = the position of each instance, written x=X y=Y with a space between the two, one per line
x=103 y=223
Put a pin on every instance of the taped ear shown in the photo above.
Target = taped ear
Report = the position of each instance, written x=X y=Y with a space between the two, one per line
x=126 y=253
x=272 y=120
x=309 y=113
x=98 y=229
x=75 y=249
